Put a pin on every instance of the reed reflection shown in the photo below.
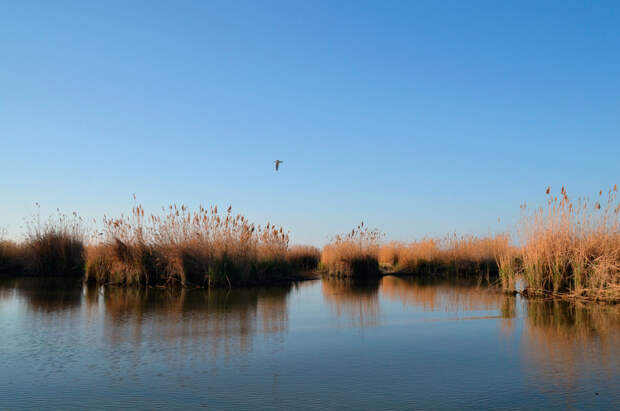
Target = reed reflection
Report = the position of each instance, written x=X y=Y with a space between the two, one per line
x=43 y=295
x=566 y=341
x=356 y=300
x=448 y=295
x=196 y=320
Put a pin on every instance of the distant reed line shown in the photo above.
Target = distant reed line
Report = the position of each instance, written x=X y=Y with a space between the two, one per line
x=567 y=249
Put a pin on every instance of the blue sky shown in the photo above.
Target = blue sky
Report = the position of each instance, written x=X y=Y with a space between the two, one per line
x=416 y=117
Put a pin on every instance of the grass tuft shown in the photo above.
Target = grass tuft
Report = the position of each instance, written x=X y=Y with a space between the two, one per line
x=354 y=254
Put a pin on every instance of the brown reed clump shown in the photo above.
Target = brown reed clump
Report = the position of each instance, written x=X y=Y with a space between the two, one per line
x=54 y=248
x=303 y=257
x=390 y=254
x=418 y=257
x=11 y=261
x=572 y=248
x=204 y=247
x=354 y=254
x=466 y=255
x=475 y=255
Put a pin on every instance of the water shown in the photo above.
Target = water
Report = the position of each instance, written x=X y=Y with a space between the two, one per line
x=396 y=343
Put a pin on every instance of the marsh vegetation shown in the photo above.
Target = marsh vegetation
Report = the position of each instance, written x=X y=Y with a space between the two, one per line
x=202 y=247
x=354 y=254
x=566 y=249
x=450 y=255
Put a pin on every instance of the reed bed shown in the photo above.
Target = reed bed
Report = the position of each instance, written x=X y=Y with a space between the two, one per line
x=203 y=248
x=11 y=257
x=54 y=249
x=354 y=254
x=460 y=255
x=303 y=257
x=569 y=249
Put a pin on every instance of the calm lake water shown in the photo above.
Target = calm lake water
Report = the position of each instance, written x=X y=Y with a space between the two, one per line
x=395 y=343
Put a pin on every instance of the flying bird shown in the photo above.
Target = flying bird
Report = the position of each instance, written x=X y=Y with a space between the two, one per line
x=277 y=162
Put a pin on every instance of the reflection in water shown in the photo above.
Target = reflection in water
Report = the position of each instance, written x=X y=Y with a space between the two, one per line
x=45 y=295
x=566 y=341
x=356 y=300
x=453 y=295
x=183 y=346
x=215 y=319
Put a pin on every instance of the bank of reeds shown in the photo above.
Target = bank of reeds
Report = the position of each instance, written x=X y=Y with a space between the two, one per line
x=451 y=255
x=11 y=260
x=203 y=248
x=53 y=249
x=303 y=257
x=354 y=254
x=570 y=248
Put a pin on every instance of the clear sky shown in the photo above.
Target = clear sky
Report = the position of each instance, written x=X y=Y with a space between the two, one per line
x=416 y=117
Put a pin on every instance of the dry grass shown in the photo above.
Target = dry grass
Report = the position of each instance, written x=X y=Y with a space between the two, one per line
x=414 y=257
x=354 y=254
x=389 y=254
x=204 y=247
x=54 y=248
x=570 y=248
x=452 y=254
x=303 y=257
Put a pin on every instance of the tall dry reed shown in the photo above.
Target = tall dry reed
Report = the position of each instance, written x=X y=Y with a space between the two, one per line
x=451 y=254
x=572 y=248
x=11 y=260
x=203 y=247
x=354 y=254
x=54 y=248
x=303 y=257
